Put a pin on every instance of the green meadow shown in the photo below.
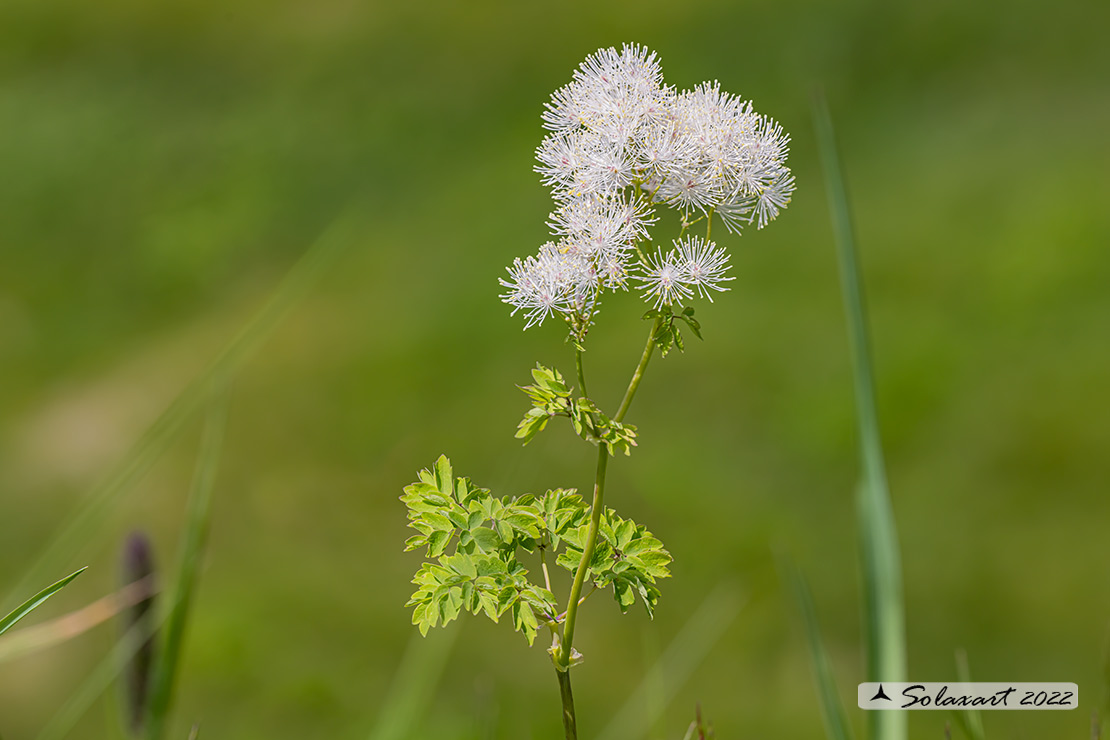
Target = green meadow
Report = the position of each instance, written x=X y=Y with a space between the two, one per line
x=313 y=201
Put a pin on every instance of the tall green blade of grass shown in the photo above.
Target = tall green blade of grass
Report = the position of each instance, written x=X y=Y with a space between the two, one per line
x=969 y=720
x=192 y=551
x=832 y=710
x=884 y=618
x=35 y=601
x=78 y=528
x=679 y=661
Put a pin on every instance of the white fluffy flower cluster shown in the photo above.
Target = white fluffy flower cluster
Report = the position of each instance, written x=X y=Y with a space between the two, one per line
x=622 y=142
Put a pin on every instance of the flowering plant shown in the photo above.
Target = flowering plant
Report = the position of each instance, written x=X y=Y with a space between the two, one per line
x=621 y=145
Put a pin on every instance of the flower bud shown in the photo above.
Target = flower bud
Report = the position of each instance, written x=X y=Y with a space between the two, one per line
x=138 y=623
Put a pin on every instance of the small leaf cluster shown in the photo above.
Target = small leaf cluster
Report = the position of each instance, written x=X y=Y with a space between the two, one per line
x=486 y=534
x=483 y=573
x=667 y=334
x=552 y=397
x=627 y=557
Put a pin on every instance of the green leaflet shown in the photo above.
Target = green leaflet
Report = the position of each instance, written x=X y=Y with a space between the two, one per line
x=627 y=557
x=473 y=540
x=480 y=573
x=668 y=334
x=551 y=397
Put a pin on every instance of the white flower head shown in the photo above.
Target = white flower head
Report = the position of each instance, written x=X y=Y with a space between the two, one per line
x=620 y=143
x=540 y=286
x=703 y=265
x=601 y=116
x=609 y=226
x=561 y=157
x=664 y=280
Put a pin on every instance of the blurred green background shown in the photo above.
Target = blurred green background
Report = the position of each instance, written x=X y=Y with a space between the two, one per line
x=163 y=165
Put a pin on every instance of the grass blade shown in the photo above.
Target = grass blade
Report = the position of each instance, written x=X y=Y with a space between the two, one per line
x=192 y=550
x=884 y=616
x=832 y=710
x=970 y=720
x=35 y=601
x=678 y=662
x=60 y=629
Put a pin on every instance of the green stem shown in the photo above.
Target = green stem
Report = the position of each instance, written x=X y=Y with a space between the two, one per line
x=563 y=658
x=563 y=654
x=543 y=565
x=636 y=376
x=195 y=537
x=569 y=723
x=596 y=509
x=581 y=376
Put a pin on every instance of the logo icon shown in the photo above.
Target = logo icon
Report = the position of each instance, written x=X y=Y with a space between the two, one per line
x=880 y=695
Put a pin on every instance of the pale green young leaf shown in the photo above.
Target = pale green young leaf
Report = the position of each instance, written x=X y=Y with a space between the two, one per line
x=624 y=594
x=486 y=539
x=506 y=598
x=569 y=559
x=470 y=597
x=504 y=531
x=418 y=613
x=489 y=604
x=490 y=566
x=443 y=479
x=649 y=594
x=437 y=521
x=524 y=620
x=653 y=563
x=415 y=542
x=459 y=517
x=451 y=605
x=437 y=543
x=524 y=521
x=643 y=542
x=461 y=564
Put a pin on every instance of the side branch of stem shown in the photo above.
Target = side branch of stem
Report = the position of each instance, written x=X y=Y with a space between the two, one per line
x=581 y=375
x=639 y=372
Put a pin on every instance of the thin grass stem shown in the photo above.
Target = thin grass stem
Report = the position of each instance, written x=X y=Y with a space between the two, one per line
x=884 y=622
x=192 y=551
x=832 y=710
